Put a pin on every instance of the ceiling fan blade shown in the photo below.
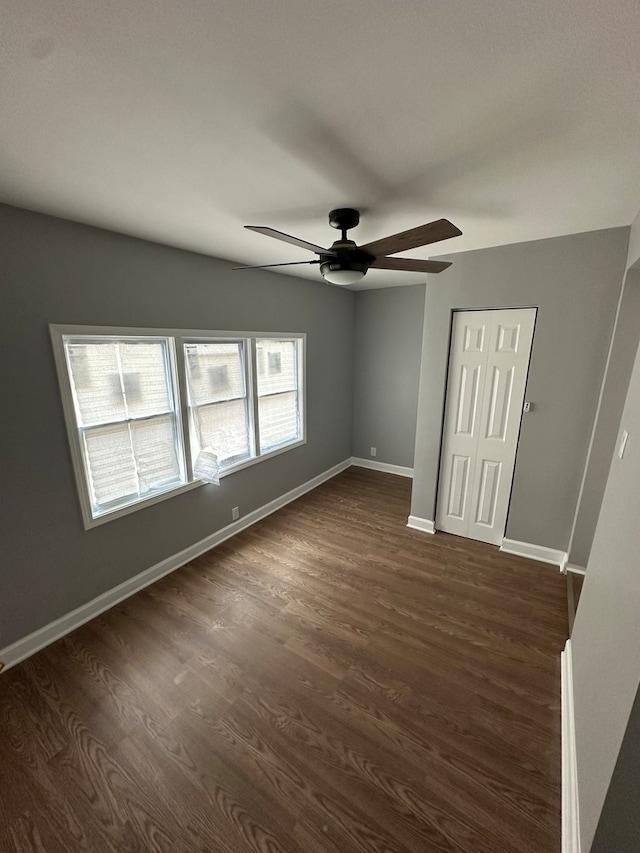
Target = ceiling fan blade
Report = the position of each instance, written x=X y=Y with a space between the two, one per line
x=266 y=266
x=287 y=238
x=320 y=144
x=433 y=232
x=409 y=265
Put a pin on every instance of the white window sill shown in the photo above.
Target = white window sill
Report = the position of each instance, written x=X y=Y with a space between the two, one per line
x=110 y=515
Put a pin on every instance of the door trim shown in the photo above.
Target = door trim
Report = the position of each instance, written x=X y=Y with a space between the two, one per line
x=453 y=312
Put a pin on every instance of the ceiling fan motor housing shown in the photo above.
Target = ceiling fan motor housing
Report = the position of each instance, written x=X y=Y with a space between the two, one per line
x=345 y=256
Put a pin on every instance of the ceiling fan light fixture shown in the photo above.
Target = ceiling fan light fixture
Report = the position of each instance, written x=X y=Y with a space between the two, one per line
x=343 y=276
x=349 y=267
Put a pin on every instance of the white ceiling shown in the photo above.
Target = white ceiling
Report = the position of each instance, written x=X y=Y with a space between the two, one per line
x=181 y=121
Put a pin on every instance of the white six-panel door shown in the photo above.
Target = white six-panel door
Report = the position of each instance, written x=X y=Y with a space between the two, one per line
x=488 y=366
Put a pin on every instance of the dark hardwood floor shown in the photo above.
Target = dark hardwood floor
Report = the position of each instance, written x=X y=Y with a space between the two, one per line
x=327 y=680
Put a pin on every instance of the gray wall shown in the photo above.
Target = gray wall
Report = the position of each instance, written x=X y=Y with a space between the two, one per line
x=619 y=825
x=623 y=351
x=388 y=343
x=55 y=271
x=634 y=243
x=575 y=282
x=606 y=643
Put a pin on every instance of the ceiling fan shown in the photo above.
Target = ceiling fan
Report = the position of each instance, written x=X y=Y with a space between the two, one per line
x=346 y=263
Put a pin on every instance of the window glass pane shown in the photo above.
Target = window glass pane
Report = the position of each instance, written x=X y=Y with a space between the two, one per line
x=111 y=465
x=224 y=428
x=278 y=404
x=154 y=448
x=215 y=371
x=144 y=378
x=115 y=380
x=131 y=460
x=95 y=377
x=277 y=366
x=279 y=420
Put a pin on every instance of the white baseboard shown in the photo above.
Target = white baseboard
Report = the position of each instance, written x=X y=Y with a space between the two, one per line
x=29 y=645
x=572 y=569
x=400 y=470
x=535 y=552
x=570 y=812
x=424 y=524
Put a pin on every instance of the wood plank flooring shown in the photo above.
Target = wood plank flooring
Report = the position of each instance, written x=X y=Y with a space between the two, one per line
x=328 y=680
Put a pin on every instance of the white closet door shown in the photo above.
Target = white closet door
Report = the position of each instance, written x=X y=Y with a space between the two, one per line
x=467 y=363
x=488 y=367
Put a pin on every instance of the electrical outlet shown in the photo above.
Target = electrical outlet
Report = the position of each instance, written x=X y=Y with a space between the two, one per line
x=373 y=451
x=235 y=513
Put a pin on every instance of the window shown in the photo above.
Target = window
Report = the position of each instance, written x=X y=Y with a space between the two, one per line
x=224 y=415
x=278 y=393
x=128 y=429
x=218 y=400
x=130 y=399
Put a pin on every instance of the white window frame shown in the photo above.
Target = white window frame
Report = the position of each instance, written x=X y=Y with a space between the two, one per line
x=249 y=362
x=177 y=338
x=300 y=391
x=252 y=386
